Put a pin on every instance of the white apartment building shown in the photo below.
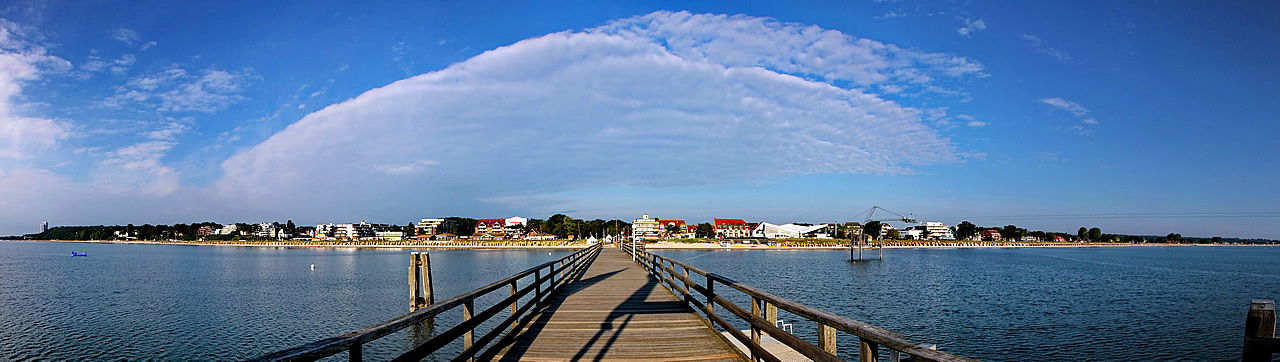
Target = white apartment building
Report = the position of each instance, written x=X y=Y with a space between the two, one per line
x=428 y=227
x=226 y=230
x=939 y=230
x=646 y=228
x=515 y=227
x=773 y=231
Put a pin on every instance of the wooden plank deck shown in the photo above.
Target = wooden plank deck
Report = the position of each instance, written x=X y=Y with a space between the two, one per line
x=616 y=311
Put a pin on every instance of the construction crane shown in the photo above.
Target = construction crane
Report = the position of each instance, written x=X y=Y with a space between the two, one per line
x=909 y=218
x=871 y=213
x=857 y=245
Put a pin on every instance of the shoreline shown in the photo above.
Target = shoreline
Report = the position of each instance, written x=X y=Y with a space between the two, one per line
x=662 y=245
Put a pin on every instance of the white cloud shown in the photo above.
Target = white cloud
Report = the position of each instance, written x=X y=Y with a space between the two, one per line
x=178 y=90
x=663 y=99
x=126 y=36
x=404 y=169
x=1089 y=121
x=20 y=63
x=1043 y=47
x=803 y=50
x=889 y=15
x=971 y=26
x=1066 y=105
x=972 y=121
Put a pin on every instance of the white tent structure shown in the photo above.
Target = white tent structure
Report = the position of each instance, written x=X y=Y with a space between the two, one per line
x=773 y=231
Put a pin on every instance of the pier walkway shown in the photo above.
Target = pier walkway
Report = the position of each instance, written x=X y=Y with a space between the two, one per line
x=620 y=304
x=616 y=310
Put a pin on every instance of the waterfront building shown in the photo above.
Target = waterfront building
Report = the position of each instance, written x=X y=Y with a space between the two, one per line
x=205 y=230
x=494 y=228
x=938 y=231
x=539 y=236
x=304 y=232
x=676 y=229
x=515 y=227
x=361 y=231
x=427 y=228
x=226 y=230
x=795 y=231
x=991 y=235
x=930 y=230
x=911 y=233
x=731 y=228
x=646 y=228
x=270 y=231
x=44 y=226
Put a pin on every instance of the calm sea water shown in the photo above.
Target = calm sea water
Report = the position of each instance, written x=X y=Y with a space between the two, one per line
x=159 y=302
x=167 y=302
x=1137 y=303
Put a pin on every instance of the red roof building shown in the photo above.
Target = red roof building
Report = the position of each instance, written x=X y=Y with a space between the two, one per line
x=731 y=228
x=681 y=230
x=493 y=227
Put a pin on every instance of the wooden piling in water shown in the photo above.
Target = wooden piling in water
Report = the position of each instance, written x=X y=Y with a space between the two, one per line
x=1260 y=332
x=421 y=293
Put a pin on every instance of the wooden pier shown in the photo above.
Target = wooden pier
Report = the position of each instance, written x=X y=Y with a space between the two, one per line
x=616 y=310
x=619 y=304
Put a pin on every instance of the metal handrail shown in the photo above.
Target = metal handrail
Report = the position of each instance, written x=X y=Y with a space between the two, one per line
x=871 y=337
x=558 y=273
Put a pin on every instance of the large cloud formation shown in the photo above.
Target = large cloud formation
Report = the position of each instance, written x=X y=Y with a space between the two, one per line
x=665 y=99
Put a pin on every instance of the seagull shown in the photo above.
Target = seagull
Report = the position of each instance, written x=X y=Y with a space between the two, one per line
x=313 y=267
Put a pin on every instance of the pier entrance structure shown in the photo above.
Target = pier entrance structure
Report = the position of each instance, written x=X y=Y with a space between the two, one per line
x=624 y=304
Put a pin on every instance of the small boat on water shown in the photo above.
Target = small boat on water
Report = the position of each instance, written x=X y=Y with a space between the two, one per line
x=79 y=254
x=725 y=244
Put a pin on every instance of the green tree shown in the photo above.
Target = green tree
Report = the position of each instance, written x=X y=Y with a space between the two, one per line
x=705 y=230
x=536 y=224
x=893 y=234
x=1083 y=233
x=1010 y=232
x=1174 y=237
x=670 y=230
x=1095 y=233
x=1215 y=240
x=872 y=229
x=966 y=230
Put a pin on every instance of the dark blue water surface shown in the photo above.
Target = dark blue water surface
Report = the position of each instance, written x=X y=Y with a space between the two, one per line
x=162 y=302
x=169 y=302
x=1031 y=304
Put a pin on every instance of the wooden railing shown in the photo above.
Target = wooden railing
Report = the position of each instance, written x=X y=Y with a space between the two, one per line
x=547 y=278
x=762 y=317
x=1260 y=340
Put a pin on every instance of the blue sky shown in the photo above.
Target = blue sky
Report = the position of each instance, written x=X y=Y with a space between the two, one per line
x=167 y=112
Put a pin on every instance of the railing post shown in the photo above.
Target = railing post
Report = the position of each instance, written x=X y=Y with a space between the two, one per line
x=537 y=289
x=827 y=338
x=356 y=353
x=868 y=351
x=711 y=293
x=770 y=313
x=468 y=308
x=1260 y=323
x=755 y=331
x=515 y=304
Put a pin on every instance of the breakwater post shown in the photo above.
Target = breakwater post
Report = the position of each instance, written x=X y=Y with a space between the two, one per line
x=1260 y=332
x=420 y=292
